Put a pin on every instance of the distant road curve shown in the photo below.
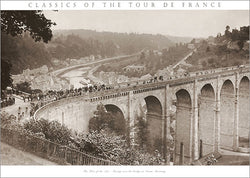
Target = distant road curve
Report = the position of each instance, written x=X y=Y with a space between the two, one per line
x=60 y=72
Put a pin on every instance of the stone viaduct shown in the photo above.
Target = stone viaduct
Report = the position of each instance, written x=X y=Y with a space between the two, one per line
x=212 y=106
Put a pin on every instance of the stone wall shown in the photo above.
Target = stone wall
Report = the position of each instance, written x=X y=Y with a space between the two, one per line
x=75 y=115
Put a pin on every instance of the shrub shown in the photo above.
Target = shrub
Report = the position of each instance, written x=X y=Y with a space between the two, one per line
x=103 y=119
x=104 y=143
x=108 y=145
x=9 y=121
x=142 y=132
x=53 y=131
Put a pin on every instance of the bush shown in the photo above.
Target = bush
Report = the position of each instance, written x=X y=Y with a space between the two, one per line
x=142 y=132
x=9 y=121
x=53 y=131
x=104 y=119
x=108 y=145
x=104 y=143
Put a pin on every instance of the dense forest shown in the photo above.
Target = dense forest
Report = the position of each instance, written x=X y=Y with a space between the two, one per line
x=126 y=43
x=22 y=52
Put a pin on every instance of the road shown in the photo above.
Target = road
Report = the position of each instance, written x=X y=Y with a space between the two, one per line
x=61 y=71
x=183 y=60
x=13 y=109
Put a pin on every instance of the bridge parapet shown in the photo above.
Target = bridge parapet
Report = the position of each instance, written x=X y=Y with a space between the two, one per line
x=142 y=86
x=99 y=98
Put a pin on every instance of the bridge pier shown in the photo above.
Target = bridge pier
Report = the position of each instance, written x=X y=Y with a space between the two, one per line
x=166 y=128
x=131 y=120
x=195 y=118
x=236 y=116
x=184 y=124
x=243 y=115
x=217 y=116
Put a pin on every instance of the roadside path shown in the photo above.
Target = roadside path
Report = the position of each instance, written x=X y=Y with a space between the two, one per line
x=233 y=158
x=13 y=156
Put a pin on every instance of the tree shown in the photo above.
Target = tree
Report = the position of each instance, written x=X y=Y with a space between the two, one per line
x=24 y=86
x=142 y=133
x=108 y=145
x=227 y=32
x=6 y=79
x=235 y=34
x=100 y=120
x=193 y=41
x=52 y=130
x=142 y=56
x=17 y=22
x=107 y=120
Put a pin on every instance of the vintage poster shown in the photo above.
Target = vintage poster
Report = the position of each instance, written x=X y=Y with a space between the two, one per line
x=124 y=88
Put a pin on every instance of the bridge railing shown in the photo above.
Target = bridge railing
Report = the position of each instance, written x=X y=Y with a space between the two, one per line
x=50 y=150
x=179 y=76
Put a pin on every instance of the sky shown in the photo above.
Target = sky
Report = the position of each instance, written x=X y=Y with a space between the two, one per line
x=183 y=23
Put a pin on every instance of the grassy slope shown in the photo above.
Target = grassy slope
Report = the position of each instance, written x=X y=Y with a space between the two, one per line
x=13 y=156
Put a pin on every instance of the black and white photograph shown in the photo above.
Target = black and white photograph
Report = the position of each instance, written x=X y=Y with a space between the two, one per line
x=124 y=87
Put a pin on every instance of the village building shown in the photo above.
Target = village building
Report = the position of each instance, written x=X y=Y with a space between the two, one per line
x=91 y=57
x=191 y=46
x=134 y=68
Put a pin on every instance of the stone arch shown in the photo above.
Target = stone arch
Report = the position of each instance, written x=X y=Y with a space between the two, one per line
x=153 y=105
x=114 y=109
x=121 y=104
x=120 y=125
x=207 y=91
x=201 y=85
x=206 y=114
x=241 y=76
x=227 y=99
x=221 y=84
x=243 y=127
x=183 y=123
x=188 y=88
x=154 y=121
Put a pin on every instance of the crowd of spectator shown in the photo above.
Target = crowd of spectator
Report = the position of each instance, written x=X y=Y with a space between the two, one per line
x=39 y=99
